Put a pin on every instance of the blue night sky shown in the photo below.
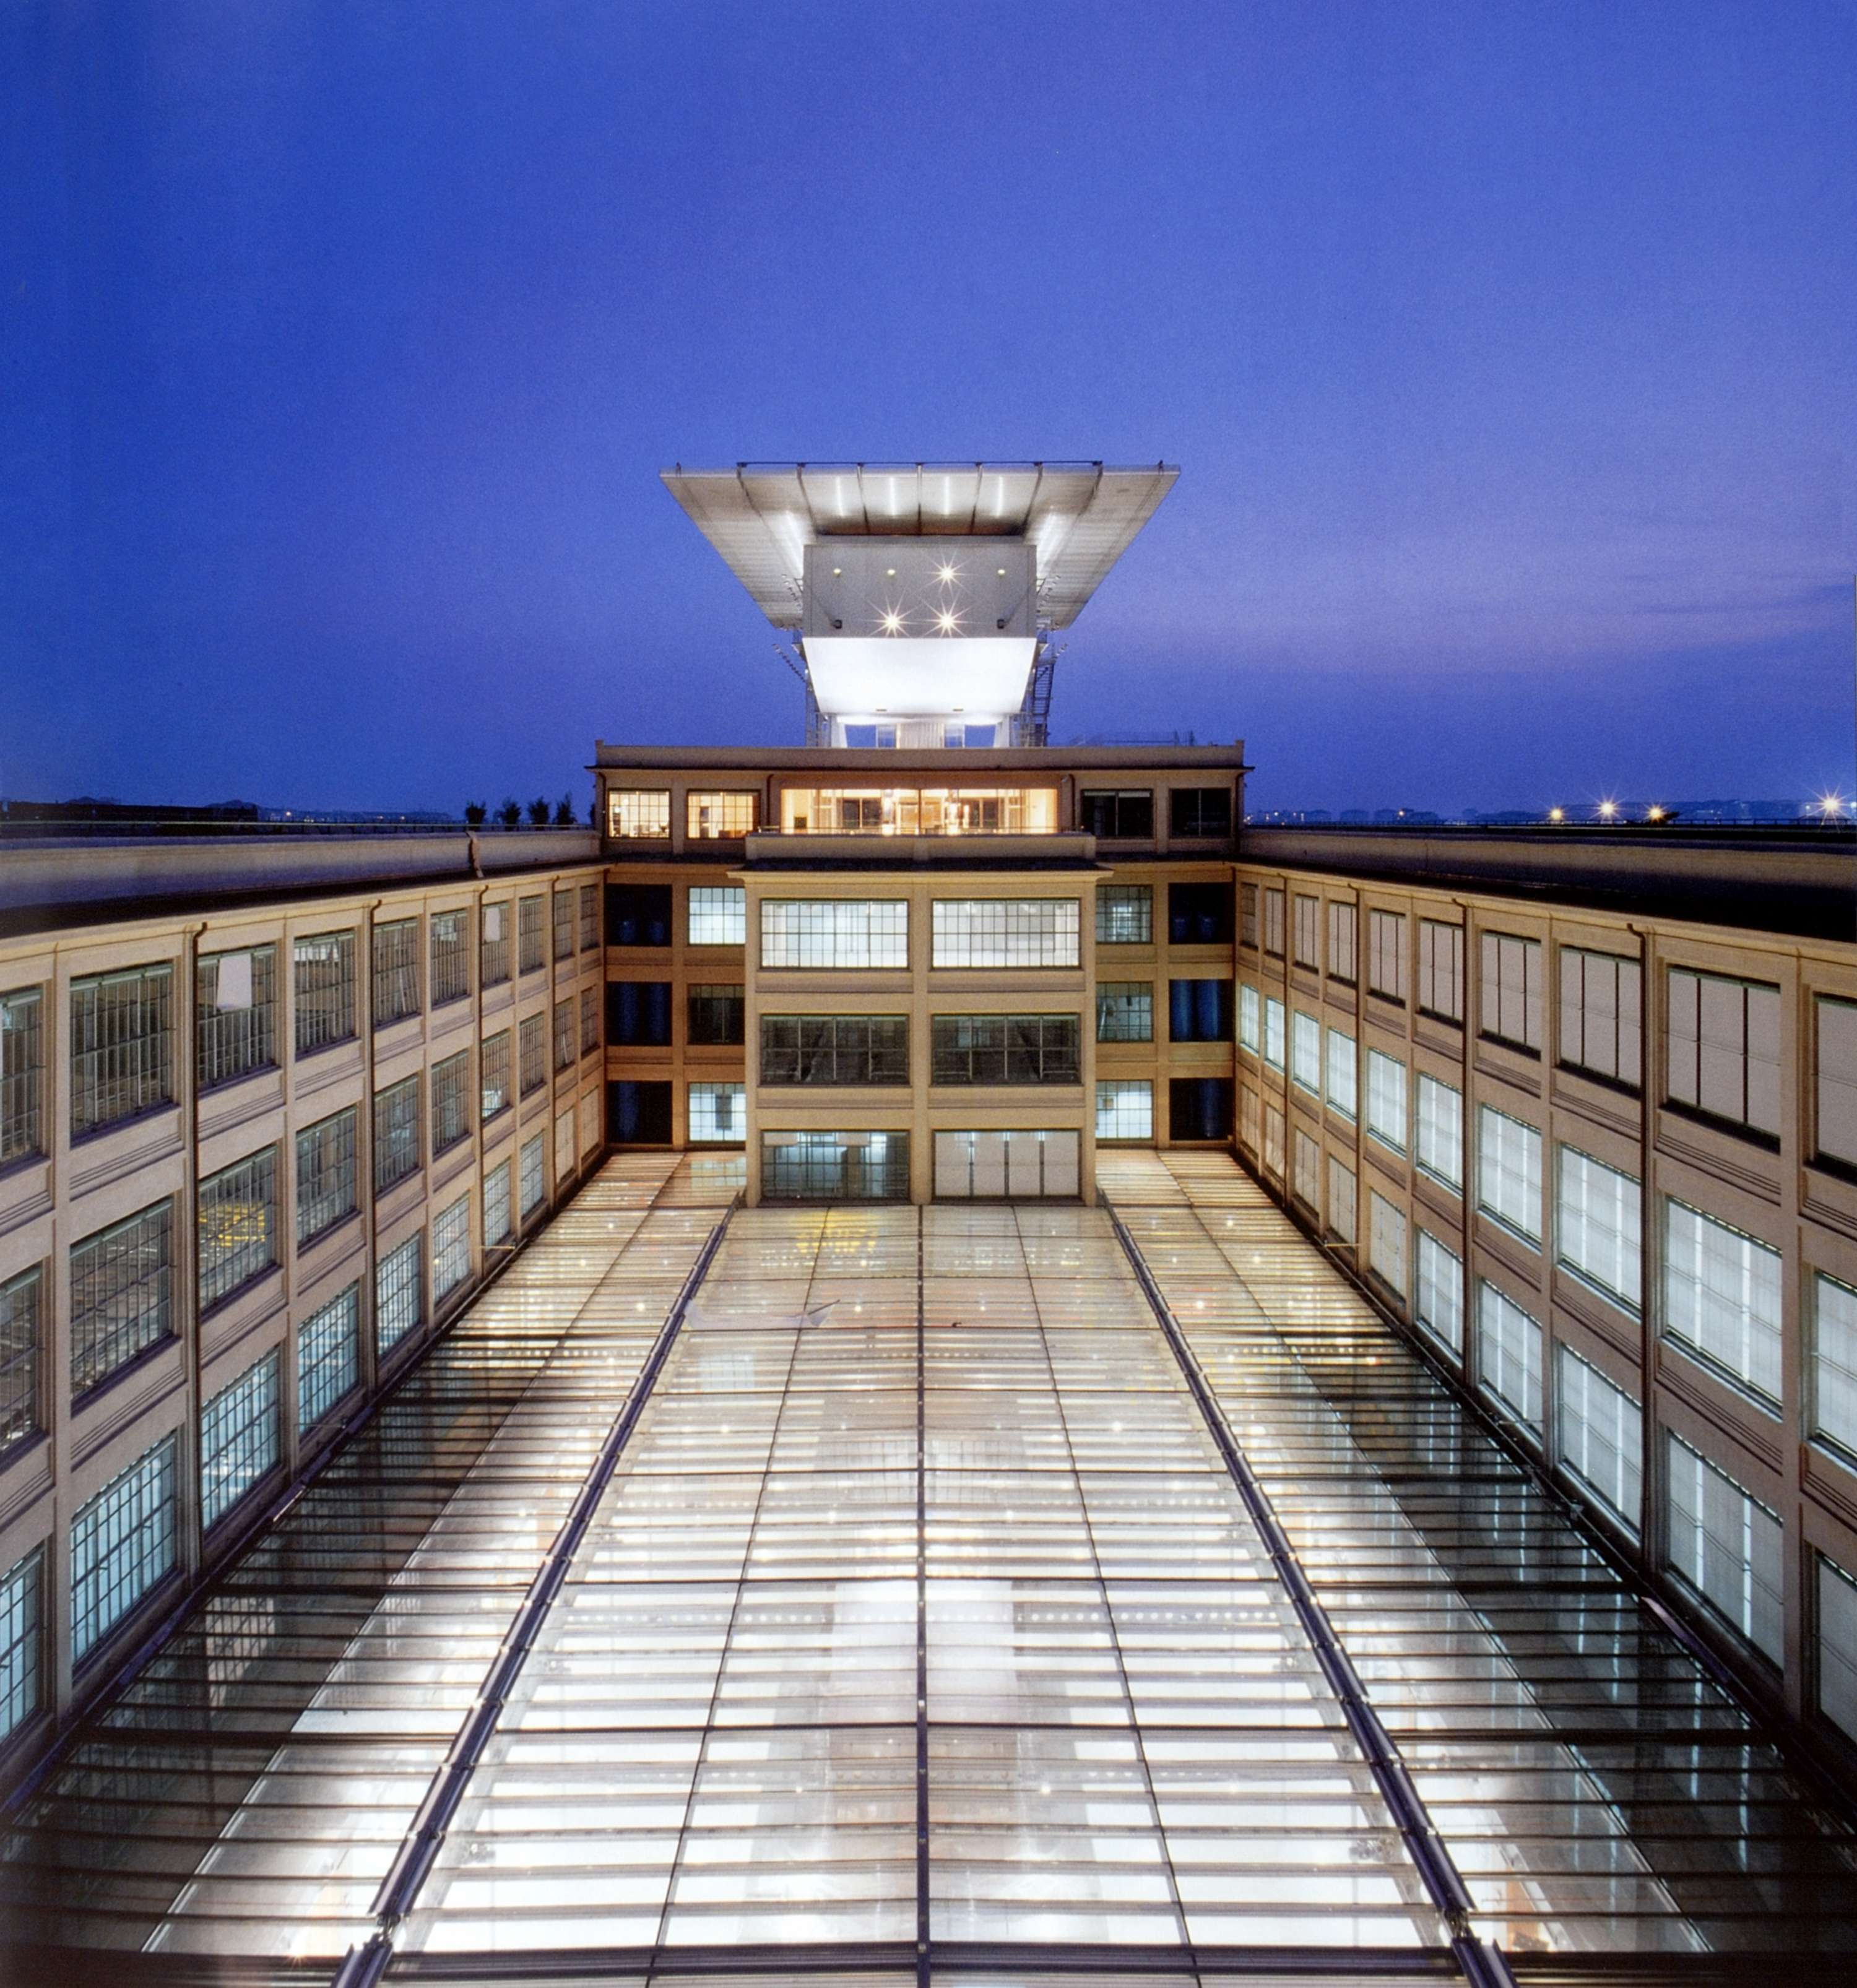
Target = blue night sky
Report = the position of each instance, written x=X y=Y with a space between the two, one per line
x=1509 y=353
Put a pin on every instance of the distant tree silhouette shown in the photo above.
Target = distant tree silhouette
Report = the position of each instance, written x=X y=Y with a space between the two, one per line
x=510 y=813
x=475 y=812
x=538 y=813
x=564 y=812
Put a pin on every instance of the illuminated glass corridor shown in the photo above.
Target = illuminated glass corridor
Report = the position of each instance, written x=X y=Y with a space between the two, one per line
x=895 y=1588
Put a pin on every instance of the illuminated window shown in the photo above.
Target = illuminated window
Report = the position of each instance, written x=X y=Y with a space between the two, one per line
x=1251 y=1025
x=451 y=958
x=1509 y=1355
x=1004 y=931
x=531 y=938
x=1125 y=1011
x=122 y=1546
x=1386 y=1100
x=532 y=1053
x=1721 y=1298
x=493 y=1074
x=638 y=813
x=396 y=1132
x=835 y=1166
x=1836 y=1645
x=328 y=1356
x=1386 y=1242
x=238 y=1225
x=322 y=964
x=22 y=1322
x=239 y=1430
x=919 y=811
x=493 y=944
x=122 y=1048
x=450 y=1101
x=714 y=817
x=1600 y=1435
x=1124 y=914
x=234 y=1011
x=1833 y=1383
x=1509 y=1173
x=1343 y=1074
x=400 y=1292
x=452 y=1248
x=1441 y=1132
x=22 y=1074
x=1439 y=1306
x=837 y=932
x=1306 y=1053
x=1343 y=1201
x=718 y=1114
x=532 y=1178
x=1596 y=1225
x=497 y=1222
x=1727 y=1547
x=122 y=1289
x=326 y=1186
x=22 y=1641
x=1124 y=1109
x=718 y=915
x=1307 y=1170
x=396 y=971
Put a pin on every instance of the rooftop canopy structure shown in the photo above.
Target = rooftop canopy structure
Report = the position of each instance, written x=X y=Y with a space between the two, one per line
x=923 y=596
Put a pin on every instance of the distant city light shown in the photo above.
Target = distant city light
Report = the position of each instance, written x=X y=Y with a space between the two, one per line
x=1654 y=814
x=1608 y=809
x=1556 y=814
x=1830 y=805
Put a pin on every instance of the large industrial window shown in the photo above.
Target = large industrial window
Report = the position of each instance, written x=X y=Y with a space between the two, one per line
x=835 y=1166
x=122 y=1046
x=562 y=910
x=1509 y=1173
x=1273 y=1032
x=1342 y=1087
x=717 y=817
x=451 y=957
x=1306 y=1053
x=718 y=915
x=1386 y=954
x=1511 y=990
x=1386 y=1242
x=493 y=1075
x=842 y=932
x=1272 y=1139
x=1125 y=1011
x=1727 y=1547
x=531 y=1175
x=638 y=1013
x=493 y=945
x=1441 y=969
x=1832 y=1387
x=396 y=1132
x=450 y=1101
x=22 y=1074
x=717 y=1013
x=1004 y=932
x=640 y=814
x=1600 y=1435
x=1306 y=918
x=1721 y=1298
x=1250 y=1120
x=590 y=1020
x=1343 y=936
x=565 y=1052
x=1724 y=1051
x=531 y=938
x=718 y=1114
x=1834 y=1138
x=918 y=810
x=1600 y=1033
x=531 y=1053
x=235 y=1014
x=834 y=1048
x=1199 y=1108
x=1199 y=914
x=590 y=913
x=1343 y=1201
x=1247 y=915
x=1120 y=815
x=238 y=1226
x=122 y=1293
x=396 y=971
x=1837 y=1646
x=21 y=1355
x=1597 y=1225
x=1198 y=812
x=1251 y=1025
x=1306 y=1182
x=450 y=1248
x=22 y=1641
x=1273 y=922
x=1124 y=1109
x=325 y=1185
x=497 y=1224
x=399 y=1292
x=638 y=1114
x=1439 y=1306
x=1440 y=1147
x=322 y=989
x=1200 y=1011
x=1005 y=1048
x=328 y=1356
x=238 y=1440
x=1509 y=1355
x=1124 y=914
x=122 y=1546
x=1386 y=1113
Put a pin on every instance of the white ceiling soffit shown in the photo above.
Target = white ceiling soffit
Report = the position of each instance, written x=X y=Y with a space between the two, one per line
x=762 y=516
x=862 y=676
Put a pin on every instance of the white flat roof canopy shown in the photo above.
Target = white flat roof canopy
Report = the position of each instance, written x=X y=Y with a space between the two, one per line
x=762 y=516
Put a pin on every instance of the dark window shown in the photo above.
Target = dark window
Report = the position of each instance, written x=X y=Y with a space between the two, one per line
x=834 y=1048
x=1006 y=1049
x=1125 y=1011
x=451 y=957
x=717 y=1014
x=396 y=971
x=638 y=1013
x=396 y=1132
x=638 y=1115
x=638 y=914
x=451 y=1088
x=1199 y=1107
x=1128 y=817
x=1199 y=1011
x=1199 y=811
x=1199 y=914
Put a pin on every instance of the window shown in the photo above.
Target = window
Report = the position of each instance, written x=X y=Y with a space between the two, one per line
x=1200 y=1011
x=1512 y=990
x=711 y=817
x=451 y=958
x=1837 y=1646
x=1199 y=914
x=718 y=915
x=21 y=1355
x=638 y=1013
x=1201 y=812
x=122 y=1053
x=638 y=1115
x=1273 y=922
x=1721 y=1298
x=493 y=1075
x=328 y=1356
x=889 y=810
x=1509 y=1173
x=590 y=1020
x=1726 y=1548
x=1509 y=1355
x=1386 y=1242
x=497 y=1225
x=1272 y=1139
x=1127 y=816
x=531 y=939
x=1124 y=914
x=717 y=1014
x=122 y=1546
x=450 y=1092
x=566 y=1051
x=1386 y=1100
x=1343 y=934
x=326 y=1189
x=399 y=1292
x=21 y=1075
x=238 y=1226
x=1004 y=932
x=718 y=1114
x=589 y=912
x=493 y=944
x=396 y=971
x=1832 y=1388
x=122 y=1289
x=322 y=989
x=1599 y=1024
x=234 y=1011
x=1343 y=1074
x=1199 y=1108
x=1441 y=969
x=1306 y=1185
x=1596 y=1225
x=396 y=1132
x=1342 y=1201
x=835 y=1166
x=531 y=1053
x=1251 y=1118
x=1439 y=1306
x=638 y=813
x=22 y=1641
x=834 y=932
x=1836 y=1135
x=531 y=1175
x=1247 y=913
x=450 y=1248
x=563 y=909
x=1386 y=954
x=1306 y=1053
x=1441 y=1132
x=1251 y=1025
x=1601 y=1432
x=1724 y=1051
x=1124 y=1109
x=238 y=1440
x=1272 y=1033
x=1125 y=1011
x=1005 y=1048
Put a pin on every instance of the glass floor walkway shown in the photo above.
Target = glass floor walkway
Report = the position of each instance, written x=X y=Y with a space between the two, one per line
x=978 y=1593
